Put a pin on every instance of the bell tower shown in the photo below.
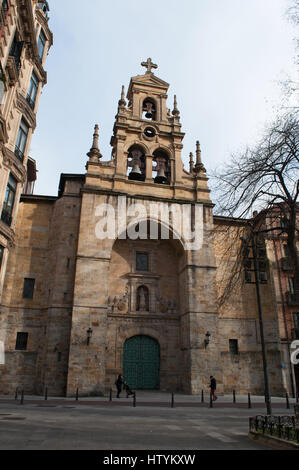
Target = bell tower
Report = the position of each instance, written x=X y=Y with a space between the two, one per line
x=147 y=146
x=147 y=137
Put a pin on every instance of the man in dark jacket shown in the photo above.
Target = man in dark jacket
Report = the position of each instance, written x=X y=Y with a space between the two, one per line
x=119 y=382
x=213 y=387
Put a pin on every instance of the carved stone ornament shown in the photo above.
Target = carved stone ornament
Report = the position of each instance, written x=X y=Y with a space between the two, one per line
x=14 y=165
x=119 y=304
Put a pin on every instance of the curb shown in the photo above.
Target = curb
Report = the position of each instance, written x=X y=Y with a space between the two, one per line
x=272 y=441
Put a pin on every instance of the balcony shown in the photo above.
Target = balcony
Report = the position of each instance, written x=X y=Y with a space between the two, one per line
x=293 y=298
x=14 y=61
x=19 y=154
x=3 y=13
x=287 y=264
x=6 y=217
x=295 y=333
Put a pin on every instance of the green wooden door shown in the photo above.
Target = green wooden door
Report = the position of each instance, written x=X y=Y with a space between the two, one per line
x=141 y=363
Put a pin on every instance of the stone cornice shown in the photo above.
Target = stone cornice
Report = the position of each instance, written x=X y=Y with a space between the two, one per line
x=44 y=22
x=25 y=109
x=92 y=190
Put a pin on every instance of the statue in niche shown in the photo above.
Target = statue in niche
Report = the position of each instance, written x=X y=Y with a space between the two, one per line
x=142 y=304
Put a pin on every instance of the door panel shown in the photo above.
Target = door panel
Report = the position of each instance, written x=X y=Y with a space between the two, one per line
x=141 y=362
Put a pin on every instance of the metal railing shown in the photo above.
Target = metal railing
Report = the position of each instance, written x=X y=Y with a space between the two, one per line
x=19 y=154
x=283 y=427
x=293 y=298
x=295 y=333
x=287 y=264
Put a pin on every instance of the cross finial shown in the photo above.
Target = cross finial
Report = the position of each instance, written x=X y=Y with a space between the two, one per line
x=149 y=64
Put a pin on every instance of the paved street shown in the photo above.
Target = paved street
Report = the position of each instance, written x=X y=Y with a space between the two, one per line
x=96 y=424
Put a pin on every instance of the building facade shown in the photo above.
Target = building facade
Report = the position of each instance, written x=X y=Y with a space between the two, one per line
x=25 y=39
x=89 y=292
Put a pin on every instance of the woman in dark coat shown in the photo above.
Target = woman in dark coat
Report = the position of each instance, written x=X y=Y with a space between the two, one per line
x=119 y=382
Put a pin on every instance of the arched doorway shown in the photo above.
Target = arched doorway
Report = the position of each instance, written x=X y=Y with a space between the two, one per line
x=141 y=362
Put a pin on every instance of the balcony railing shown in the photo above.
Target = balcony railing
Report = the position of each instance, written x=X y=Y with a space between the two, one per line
x=295 y=333
x=6 y=217
x=30 y=102
x=287 y=264
x=293 y=298
x=19 y=154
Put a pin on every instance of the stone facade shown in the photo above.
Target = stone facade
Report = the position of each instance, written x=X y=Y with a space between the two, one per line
x=84 y=282
x=25 y=39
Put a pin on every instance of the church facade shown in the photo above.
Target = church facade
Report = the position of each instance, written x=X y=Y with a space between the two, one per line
x=123 y=272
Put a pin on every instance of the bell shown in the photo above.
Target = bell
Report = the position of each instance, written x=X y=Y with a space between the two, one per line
x=161 y=178
x=136 y=173
x=149 y=110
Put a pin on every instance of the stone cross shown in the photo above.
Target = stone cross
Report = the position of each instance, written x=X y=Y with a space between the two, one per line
x=149 y=64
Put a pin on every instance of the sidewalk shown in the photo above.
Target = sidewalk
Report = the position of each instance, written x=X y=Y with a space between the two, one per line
x=152 y=398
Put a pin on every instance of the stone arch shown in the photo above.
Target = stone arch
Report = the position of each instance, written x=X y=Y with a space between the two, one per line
x=162 y=168
x=157 y=103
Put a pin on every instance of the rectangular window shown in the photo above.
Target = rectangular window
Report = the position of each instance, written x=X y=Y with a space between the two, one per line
x=233 y=346
x=41 y=44
x=21 y=343
x=21 y=140
x=28 y=289
x=142 y=262
x=33 y=86
x=8 y=204
x=296 y=320
x=1 y=255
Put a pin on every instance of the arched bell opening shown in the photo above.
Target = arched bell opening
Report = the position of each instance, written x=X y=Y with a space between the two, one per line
x=136 y=162
x=161 y=167
x=149 y=110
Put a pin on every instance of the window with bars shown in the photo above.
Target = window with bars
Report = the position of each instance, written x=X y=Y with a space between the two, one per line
x=28 y=289
x=261 y=264
x=233 y=347
x=142 y=262
x=21 y=342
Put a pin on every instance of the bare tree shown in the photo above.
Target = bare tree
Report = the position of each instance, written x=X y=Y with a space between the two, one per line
x=265 y=178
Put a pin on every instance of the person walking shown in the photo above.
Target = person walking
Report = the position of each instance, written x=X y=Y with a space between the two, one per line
x=213 y=387
x=127 y=389
x=119 y=382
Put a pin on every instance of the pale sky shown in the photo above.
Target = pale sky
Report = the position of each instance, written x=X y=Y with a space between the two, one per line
x=222 y=58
